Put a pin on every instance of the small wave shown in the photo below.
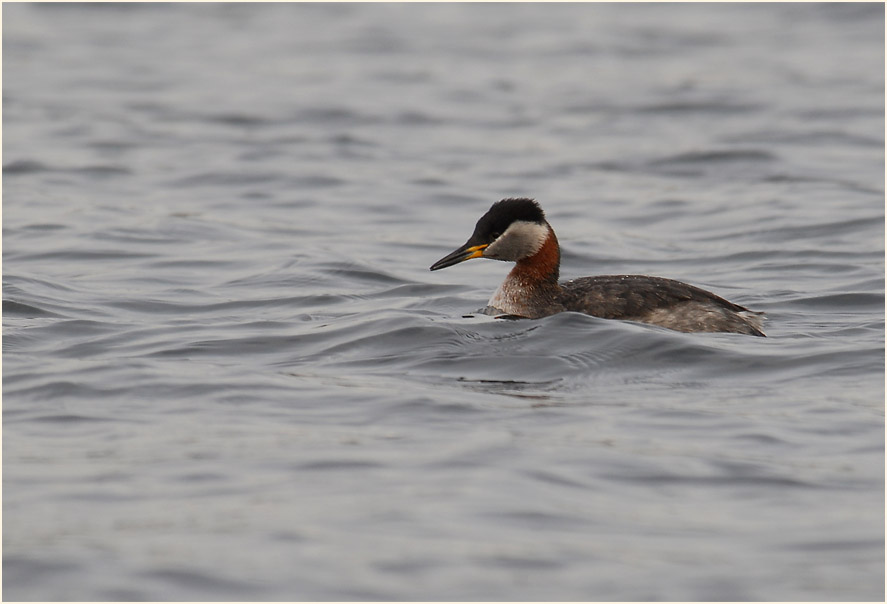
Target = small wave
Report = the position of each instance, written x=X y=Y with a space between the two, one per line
x=223 y=179
x=18 y=309
x=850 y=301
x=700 y=107
x=238 y=120
x=716 y=156
x=26 y=166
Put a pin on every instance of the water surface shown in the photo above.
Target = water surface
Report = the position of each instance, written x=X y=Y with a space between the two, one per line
x=228 y=373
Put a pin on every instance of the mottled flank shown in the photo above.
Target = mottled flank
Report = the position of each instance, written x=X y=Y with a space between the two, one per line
x=664 y=302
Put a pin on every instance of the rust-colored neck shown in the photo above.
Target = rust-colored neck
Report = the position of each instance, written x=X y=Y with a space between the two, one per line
x=543 y=266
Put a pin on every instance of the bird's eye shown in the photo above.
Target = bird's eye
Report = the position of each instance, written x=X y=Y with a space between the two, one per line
x=496 y=234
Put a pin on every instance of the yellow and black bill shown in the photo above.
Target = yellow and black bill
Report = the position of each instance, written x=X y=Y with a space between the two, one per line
x=466 y=252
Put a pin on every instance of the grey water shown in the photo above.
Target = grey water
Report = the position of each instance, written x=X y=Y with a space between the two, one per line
x=229 y=375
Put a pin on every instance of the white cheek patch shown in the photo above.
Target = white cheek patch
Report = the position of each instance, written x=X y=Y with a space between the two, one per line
x=521 y=240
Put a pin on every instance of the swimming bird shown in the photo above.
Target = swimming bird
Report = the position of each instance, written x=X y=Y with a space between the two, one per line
x=516 y=230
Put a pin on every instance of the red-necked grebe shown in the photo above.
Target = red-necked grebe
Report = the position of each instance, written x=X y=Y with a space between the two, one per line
x=515 y=230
